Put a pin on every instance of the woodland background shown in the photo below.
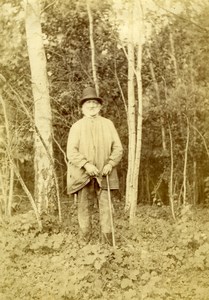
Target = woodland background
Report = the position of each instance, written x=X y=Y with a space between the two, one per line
x=174 y=79
x=158 y=258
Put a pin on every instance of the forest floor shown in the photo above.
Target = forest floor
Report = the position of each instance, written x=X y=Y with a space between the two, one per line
x=156 y=259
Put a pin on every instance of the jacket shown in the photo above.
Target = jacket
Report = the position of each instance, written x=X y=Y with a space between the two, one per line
x=94 y=140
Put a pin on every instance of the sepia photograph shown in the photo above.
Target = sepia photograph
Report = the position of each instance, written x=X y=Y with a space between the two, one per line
x=104 y=150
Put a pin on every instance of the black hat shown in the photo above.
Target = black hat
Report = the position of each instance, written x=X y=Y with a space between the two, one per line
x=89 y=93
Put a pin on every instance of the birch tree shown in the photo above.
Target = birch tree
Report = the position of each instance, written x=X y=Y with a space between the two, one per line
x=6 y=170
x=91 y=37
x=185 y=165
x=43 y=162
x=157 y=91
x=131 y=113
x=134 y=104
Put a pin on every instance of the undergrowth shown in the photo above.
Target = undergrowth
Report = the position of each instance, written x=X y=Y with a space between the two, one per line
x=156 y=259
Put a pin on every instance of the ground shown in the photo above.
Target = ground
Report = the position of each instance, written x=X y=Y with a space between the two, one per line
x=157 y=258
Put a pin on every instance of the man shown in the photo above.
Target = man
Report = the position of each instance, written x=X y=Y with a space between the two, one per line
x=93 y=151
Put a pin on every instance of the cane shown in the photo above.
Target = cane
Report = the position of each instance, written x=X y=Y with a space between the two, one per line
x=110 y=207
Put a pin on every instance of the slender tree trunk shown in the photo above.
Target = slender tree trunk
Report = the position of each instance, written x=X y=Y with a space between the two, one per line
x=156 y=87
x=3 y=195
x=173 y=55
x=139 y=113
x=171 y=176
x=185 y=166
x=203 y=139
x=147 y=186
x=195 y=185
x=93 y=58
x=195 y=182
x=134 y=107
x=30 y=197
x=11 y=191
x=44 y=182
x=8 y=179
x=131 y=112
x=121 y=91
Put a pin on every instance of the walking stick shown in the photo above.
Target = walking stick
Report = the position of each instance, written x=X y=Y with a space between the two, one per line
x=110 y=207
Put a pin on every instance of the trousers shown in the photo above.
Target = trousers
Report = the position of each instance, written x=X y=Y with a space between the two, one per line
x=86 y=199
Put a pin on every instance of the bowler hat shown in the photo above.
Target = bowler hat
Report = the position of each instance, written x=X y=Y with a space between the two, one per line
x=89 y=93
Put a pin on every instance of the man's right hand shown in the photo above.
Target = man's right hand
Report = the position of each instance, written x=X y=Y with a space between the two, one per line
x=91 y=169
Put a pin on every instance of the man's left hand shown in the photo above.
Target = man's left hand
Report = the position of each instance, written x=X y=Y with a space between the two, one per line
x=107 y=170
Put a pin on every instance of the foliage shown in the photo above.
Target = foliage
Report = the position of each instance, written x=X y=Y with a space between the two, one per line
x=148 y=260
x=157 y=259
x=182 y=98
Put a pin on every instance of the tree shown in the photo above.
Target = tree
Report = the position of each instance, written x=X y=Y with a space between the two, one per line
x=91 y=37
x=174 y=78
x=7 y=170
x=45 y=187
x=134 y=104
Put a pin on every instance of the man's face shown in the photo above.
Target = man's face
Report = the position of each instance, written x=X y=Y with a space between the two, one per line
x=91 y=108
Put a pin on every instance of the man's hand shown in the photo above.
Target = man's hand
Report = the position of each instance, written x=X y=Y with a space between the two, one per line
x=107 y=170
x=91 y=169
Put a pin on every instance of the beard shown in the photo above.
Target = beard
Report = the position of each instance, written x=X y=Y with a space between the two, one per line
x=91 y=112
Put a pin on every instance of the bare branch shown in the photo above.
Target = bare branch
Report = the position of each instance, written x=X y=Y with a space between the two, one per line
x=44 y=144
x=120 y=88
x=180 y=17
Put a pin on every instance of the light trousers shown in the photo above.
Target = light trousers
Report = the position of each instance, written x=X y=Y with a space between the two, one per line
x=86 y=199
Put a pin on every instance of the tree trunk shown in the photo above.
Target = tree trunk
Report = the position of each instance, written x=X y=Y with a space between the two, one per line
x=138 y=17
x=7 y=176
x=156 y=87
x=44 y=182
x=185 y=165
x=148 y=186
x=134 y=108
x=171 y=175
x=173 y=55
x=93 y=59
x=130 y=112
